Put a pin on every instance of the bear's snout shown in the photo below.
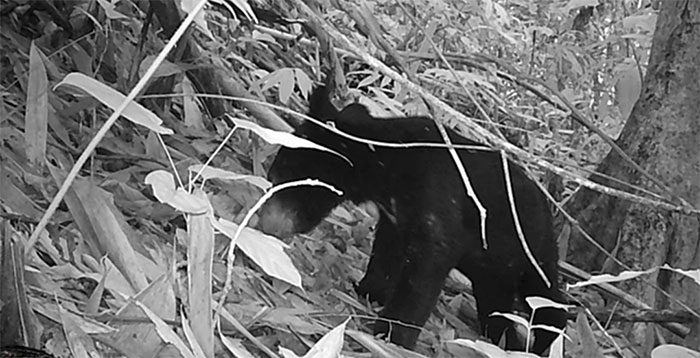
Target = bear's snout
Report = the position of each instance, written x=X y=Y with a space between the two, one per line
x=275 y=221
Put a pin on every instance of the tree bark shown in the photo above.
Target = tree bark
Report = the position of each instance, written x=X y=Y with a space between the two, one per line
x=663 y=136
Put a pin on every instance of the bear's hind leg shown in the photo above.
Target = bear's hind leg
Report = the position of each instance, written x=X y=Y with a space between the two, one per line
x=533 y=285
x=496 y=294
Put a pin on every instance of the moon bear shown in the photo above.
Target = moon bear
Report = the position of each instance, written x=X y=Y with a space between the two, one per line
x=428 y=224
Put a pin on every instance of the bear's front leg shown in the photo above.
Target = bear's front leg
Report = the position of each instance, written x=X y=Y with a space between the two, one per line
x=428 y=261
x=385 y=263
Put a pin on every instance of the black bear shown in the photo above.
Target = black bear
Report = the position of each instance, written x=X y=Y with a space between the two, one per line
x=427 y=225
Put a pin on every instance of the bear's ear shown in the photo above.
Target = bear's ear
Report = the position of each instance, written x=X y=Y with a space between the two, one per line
x=354 y=112
x=320 y=106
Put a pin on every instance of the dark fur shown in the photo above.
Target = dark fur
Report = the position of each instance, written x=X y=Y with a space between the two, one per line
x=428 y=225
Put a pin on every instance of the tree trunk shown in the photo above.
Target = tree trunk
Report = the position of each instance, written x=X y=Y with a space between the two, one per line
x=662 y=134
